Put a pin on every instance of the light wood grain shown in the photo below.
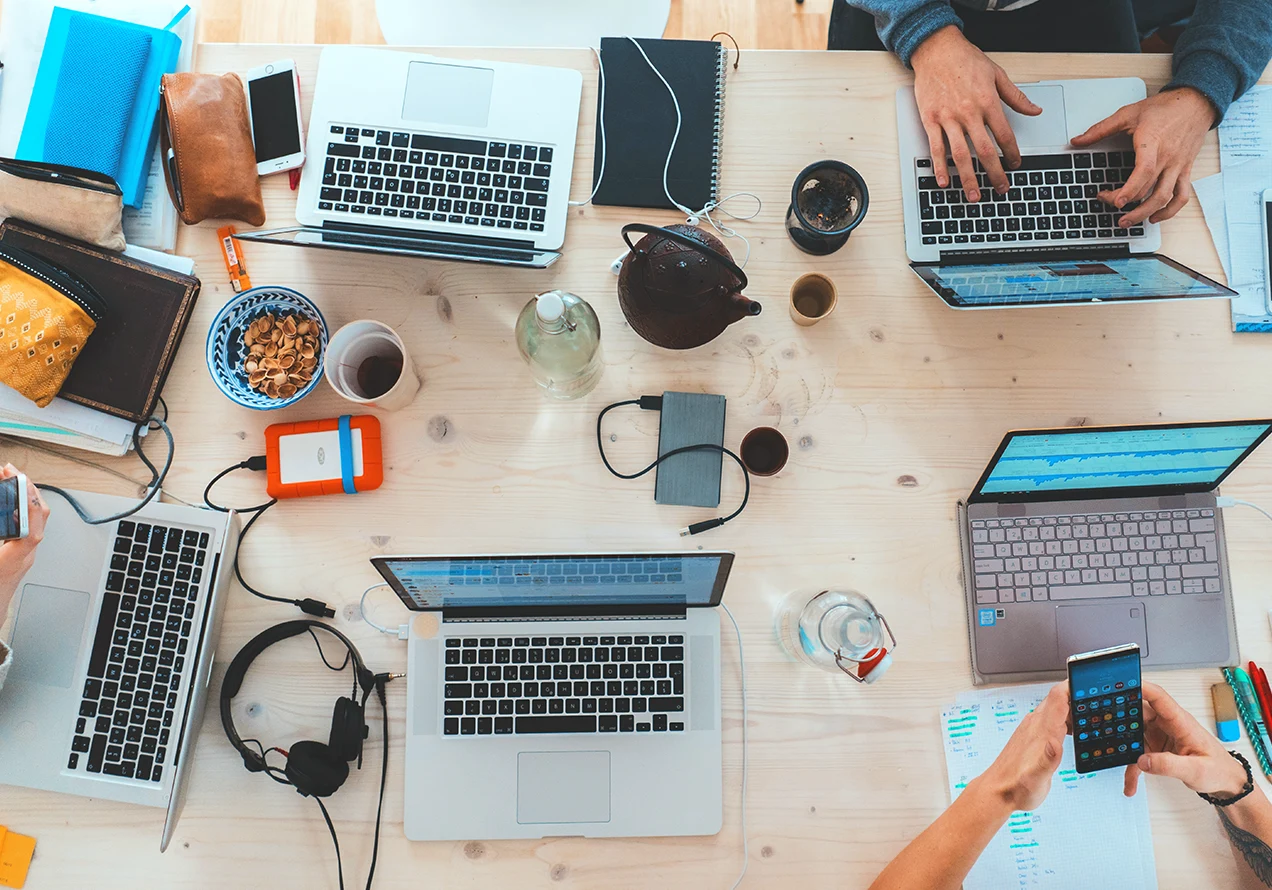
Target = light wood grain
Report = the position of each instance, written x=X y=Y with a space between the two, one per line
x=892 y=407
x=756 y=24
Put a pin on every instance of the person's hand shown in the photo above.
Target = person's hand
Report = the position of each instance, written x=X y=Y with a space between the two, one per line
x=1167 y=131
x=1180 y=747
x=958 y=89
x=17 y=556
x=1022 y=772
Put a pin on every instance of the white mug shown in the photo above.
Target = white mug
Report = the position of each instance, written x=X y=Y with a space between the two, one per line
x=354 y=344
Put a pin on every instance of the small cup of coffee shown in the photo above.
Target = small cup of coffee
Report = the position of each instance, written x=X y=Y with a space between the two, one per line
x=367 y=363
x=764 y=451
x=813 y=297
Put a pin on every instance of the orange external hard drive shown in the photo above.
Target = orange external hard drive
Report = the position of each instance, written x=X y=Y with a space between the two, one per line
x=336 y=456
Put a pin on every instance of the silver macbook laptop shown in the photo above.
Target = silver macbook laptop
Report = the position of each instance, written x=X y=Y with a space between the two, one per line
x=563 y=695
x=1049 y=240
x=1078 y=539
x=436 y=157
x=113 y=639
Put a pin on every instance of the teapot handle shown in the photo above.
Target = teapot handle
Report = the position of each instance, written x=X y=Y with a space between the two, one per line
x=687 y=242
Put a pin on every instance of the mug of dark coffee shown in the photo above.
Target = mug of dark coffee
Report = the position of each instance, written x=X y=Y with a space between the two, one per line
x=764 y=451
x=828 y=200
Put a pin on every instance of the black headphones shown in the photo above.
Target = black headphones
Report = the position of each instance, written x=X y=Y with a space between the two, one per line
x=313 y=769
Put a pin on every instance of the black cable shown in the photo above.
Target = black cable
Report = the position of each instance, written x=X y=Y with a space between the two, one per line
x=654 y=403
x=157 y=476
x=308 y=605
x=380 y=681
x=334 y=840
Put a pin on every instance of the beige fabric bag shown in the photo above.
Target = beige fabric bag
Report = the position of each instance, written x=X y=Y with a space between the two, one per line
x=77 y=203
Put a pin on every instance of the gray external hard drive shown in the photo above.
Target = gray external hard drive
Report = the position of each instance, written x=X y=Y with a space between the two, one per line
x=691 y=479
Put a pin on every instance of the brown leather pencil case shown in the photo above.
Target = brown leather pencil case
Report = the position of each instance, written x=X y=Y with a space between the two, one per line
x=206 y=143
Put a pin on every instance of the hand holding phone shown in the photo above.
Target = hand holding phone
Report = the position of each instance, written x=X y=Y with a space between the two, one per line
x=23 y=511
x=273 y=102
x=1106 y=708
x=1180 y=747
x=15 y=517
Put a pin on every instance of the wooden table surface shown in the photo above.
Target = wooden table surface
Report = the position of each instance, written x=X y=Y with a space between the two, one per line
x=892 y=407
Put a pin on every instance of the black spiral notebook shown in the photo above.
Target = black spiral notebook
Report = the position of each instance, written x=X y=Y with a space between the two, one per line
x=640 y=121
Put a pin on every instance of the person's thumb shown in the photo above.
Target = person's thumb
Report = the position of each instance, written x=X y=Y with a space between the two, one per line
x=1013 y=95
x=1186 y=769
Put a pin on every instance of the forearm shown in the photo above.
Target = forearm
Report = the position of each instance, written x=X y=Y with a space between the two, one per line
x=904 y=24
x=941 y=857
x=1224 y=49
x=1249 y=826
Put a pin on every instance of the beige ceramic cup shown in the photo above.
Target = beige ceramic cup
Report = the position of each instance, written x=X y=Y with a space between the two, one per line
x=373 y=348
x=813 y=297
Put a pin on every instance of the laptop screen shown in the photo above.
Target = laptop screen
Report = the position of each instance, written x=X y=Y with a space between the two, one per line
x=1017 y=283
x=1078 y=463
x=559 y=582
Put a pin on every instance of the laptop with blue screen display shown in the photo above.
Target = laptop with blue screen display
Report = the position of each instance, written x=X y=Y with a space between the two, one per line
x=1083 y=538
x=563 y=695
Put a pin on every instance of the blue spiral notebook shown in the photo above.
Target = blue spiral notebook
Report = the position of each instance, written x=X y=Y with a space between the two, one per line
x=96 y=96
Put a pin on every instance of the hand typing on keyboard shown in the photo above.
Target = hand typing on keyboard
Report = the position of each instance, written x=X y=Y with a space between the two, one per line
x=958 y=89
x=1168 y=130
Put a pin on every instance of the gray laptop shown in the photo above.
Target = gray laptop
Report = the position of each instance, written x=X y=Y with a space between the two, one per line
x=1049 y=240
x=1078 y=539
x=563 y=695
x=112 y=644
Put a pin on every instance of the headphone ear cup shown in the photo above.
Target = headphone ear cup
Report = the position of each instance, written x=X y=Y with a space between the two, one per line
x=315 y=769
x=348 y=729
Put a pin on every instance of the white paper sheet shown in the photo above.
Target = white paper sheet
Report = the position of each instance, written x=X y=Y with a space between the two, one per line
x=1085 y=831
x=1245 y=156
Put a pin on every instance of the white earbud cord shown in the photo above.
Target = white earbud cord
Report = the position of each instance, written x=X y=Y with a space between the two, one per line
x=746 y=854
x=692 y=217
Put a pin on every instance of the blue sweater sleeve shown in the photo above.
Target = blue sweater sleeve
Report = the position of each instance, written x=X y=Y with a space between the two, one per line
x=904 y=24
x=1224 y=50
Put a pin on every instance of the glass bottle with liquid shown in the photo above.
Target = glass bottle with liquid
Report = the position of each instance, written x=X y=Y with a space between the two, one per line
x=836 y=630
x=559 y=336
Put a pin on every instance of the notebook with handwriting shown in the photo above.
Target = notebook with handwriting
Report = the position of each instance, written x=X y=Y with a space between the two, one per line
x=640 y=121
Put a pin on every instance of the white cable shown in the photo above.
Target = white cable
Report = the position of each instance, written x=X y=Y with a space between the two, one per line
x=401 y=631
x=1233 y=502
x=746 y=855
x=601 y=66
x=692 y=217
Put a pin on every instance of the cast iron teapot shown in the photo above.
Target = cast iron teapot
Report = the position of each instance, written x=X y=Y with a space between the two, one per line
x=679 y=287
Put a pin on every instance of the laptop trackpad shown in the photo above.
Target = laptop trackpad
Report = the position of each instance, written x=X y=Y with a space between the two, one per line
x=563 y=786
x=1048 y=128
x=46 y=635
x=1084 y=628
x=453 y=95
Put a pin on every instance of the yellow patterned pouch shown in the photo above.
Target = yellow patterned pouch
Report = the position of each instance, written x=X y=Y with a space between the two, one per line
x=46 y=315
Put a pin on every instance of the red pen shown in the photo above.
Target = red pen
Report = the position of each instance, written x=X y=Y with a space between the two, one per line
x=1260 y=682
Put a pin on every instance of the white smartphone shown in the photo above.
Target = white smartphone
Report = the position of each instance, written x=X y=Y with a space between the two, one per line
x=1266 y=216
x=273 y=102
x=13 y=508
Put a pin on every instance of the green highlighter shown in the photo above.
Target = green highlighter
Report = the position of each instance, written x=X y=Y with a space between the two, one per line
x=1248 y=705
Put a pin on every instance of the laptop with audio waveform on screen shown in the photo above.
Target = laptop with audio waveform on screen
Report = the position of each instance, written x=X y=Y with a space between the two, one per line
x=1078 y=539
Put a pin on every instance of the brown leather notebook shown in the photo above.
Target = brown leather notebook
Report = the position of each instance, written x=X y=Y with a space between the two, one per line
x=123 y=367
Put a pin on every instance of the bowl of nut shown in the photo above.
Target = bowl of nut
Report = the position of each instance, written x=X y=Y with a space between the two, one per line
x=265 y=348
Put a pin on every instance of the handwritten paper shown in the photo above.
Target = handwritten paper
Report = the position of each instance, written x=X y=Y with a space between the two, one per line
x=1245 y=156
x=1086 y=827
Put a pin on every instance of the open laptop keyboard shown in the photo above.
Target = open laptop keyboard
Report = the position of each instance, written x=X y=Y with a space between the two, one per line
x=139 y=653
x=441 y=179
x=522 y=685
x=1086 y=556
x=1052 y=198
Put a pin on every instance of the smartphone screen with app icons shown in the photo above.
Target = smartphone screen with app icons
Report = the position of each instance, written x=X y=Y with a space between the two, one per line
x=1105 y=708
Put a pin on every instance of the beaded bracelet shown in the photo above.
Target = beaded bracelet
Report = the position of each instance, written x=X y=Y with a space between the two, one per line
x=1245 y=789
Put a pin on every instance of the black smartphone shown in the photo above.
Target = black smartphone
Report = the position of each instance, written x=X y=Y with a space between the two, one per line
x=1106 y=707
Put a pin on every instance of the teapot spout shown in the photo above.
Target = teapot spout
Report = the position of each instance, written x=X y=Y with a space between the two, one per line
x=740 y=307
